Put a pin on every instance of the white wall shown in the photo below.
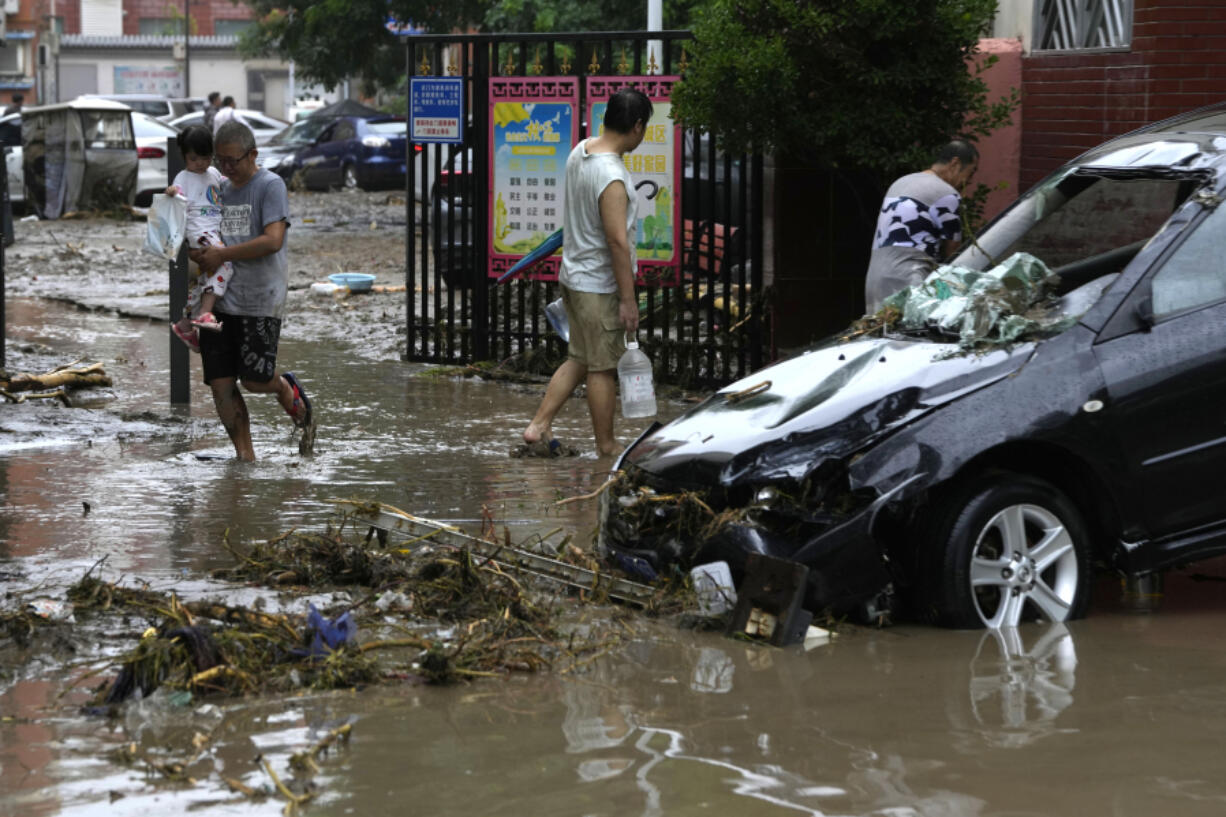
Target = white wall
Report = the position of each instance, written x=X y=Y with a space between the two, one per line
x=1015 y=19
x=212 y=72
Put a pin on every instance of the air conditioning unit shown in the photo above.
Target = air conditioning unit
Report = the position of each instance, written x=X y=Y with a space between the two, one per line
x=12 y=6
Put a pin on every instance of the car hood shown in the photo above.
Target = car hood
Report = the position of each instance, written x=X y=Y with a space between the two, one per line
x=785 y=420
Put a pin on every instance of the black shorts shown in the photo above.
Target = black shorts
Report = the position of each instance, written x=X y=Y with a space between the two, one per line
x=245 y=348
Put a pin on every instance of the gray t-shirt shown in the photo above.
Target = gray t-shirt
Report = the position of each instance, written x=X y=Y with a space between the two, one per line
x=259 y=284
x=919 y=212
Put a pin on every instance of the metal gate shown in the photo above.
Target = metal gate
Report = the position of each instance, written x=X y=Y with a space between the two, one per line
x=710 y=329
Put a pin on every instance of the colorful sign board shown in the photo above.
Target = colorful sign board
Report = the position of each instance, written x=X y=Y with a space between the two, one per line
x=655 y=167
x=164 y=80
x=534 y=123
x=436 y=110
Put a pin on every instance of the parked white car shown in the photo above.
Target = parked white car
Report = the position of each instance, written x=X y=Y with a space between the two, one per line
x=262 y=125
x=151 y=136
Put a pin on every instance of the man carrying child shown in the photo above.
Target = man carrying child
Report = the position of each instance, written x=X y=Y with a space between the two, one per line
x=255 y=218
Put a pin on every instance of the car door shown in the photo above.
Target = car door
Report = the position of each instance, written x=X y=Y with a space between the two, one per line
x=1165 y=375
x=339 y=146
x=311 y=159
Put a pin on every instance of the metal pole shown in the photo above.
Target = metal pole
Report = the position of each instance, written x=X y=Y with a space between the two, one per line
x=180 y=370
x=4 y=154
x=187 y=48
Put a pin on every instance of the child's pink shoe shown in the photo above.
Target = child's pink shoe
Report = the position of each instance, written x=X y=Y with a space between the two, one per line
x=187 y=336
x=207 y=321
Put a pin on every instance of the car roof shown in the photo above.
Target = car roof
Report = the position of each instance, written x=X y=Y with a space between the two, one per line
x=81 y=104
x=1194 y=140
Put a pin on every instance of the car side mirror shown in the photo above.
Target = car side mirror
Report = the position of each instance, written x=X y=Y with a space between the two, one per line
x=1145 y=311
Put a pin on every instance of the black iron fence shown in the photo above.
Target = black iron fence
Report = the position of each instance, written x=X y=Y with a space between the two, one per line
x=708 y=326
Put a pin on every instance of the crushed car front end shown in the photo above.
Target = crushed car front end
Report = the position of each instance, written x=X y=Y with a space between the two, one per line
x=763 y=466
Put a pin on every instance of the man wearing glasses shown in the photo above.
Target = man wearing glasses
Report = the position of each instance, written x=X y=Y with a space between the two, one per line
x=255 y=216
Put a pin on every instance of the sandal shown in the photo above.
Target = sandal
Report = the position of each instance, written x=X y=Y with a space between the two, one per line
x=187 y=337
x=207 y=321
x=302 y=415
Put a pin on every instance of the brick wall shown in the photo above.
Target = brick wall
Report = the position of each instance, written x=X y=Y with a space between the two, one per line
x=203 y=12
x=1072 y=102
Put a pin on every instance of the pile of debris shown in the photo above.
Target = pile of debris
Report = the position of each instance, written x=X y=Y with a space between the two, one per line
x=1009 y=303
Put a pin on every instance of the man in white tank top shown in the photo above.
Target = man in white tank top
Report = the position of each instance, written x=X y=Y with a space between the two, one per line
x=598 y=269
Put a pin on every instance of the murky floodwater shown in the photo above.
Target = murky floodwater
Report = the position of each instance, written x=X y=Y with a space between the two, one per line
x=1118 y=714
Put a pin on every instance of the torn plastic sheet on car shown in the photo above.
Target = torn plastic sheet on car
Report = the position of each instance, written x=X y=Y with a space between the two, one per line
x=999 y=306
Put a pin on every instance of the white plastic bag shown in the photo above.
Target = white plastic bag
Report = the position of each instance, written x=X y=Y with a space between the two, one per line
x=167 y=225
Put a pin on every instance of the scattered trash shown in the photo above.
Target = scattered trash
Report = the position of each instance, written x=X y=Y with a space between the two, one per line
x=31 y=217
x=816 y=637
x=714 y=588
x=392 y=600
x=328 y=635
x=51 y=609
x=325 y=289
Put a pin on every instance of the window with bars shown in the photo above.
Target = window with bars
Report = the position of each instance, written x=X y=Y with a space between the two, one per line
x=1067 y=25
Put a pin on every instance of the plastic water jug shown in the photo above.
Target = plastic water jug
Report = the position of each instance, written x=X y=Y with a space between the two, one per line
x=634 y=372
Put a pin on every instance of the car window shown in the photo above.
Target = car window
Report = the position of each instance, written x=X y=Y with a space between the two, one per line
x=1195 y=274
x=260 y=124
x=188 y=121
x=1078 y=217
x=326 y=135
x=152 y=108
x=107 y=129
x=344 y=130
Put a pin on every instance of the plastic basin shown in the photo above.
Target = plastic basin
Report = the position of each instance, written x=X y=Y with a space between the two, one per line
x=355 y=281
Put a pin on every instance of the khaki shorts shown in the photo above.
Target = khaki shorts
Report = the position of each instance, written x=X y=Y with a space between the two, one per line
x=597 y=339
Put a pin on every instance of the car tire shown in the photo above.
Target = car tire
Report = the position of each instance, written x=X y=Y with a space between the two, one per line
x=1010 y=548
x=349 y=177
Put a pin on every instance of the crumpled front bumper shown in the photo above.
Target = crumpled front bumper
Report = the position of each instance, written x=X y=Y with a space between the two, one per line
x=847 y=566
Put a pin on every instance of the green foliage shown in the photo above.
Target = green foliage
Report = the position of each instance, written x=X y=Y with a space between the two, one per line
x=874 y=84
x=334 y=40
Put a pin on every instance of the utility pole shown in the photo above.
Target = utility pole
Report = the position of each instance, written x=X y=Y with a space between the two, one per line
x=187 y=48
x=655 y=22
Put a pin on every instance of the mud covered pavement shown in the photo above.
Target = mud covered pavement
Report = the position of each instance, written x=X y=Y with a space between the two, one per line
x=139 y=506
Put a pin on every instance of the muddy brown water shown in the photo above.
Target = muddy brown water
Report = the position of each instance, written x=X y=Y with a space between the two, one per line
x=1120 y=714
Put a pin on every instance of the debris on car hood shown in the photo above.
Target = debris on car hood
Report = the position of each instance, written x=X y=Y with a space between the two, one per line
x=1010 y=302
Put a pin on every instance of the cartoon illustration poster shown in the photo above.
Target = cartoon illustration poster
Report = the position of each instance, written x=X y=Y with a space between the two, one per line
x=655 y=167
x=533 y=126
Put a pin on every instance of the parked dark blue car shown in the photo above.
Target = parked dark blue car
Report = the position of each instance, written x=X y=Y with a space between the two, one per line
x=353 y=152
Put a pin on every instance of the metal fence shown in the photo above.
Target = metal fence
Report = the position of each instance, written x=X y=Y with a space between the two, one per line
x=711 y=328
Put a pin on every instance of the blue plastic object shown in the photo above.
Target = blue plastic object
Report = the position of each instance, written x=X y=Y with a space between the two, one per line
x=356 y=281
x=546 y=248
x=327 y=635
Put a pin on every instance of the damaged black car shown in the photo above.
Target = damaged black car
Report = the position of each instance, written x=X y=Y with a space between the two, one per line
x=1050 y=403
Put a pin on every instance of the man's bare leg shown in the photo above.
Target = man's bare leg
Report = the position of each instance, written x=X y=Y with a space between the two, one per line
x=232 y=410
x=601 y=399
x=563 y=383
x=278 y=386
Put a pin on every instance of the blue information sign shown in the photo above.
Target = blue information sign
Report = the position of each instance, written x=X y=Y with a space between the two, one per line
x=436 y=110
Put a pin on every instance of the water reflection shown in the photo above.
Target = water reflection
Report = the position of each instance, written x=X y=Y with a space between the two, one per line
x=743 y=709
x=1022 y=678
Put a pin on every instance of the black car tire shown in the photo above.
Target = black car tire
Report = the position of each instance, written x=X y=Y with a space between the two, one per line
x=349 y=177
x=1008 y=548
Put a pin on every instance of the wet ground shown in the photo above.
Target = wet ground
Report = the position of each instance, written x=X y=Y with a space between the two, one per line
x=1117 y=714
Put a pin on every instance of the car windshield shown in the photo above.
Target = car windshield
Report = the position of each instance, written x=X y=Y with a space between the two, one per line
x=1081 y=215
x=300 y=133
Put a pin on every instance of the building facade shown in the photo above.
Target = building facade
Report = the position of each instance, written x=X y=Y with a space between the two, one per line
x=1099 y=68
x=59 y=49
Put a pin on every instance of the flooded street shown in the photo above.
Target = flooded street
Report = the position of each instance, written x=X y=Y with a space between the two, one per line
x=1116 y=714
